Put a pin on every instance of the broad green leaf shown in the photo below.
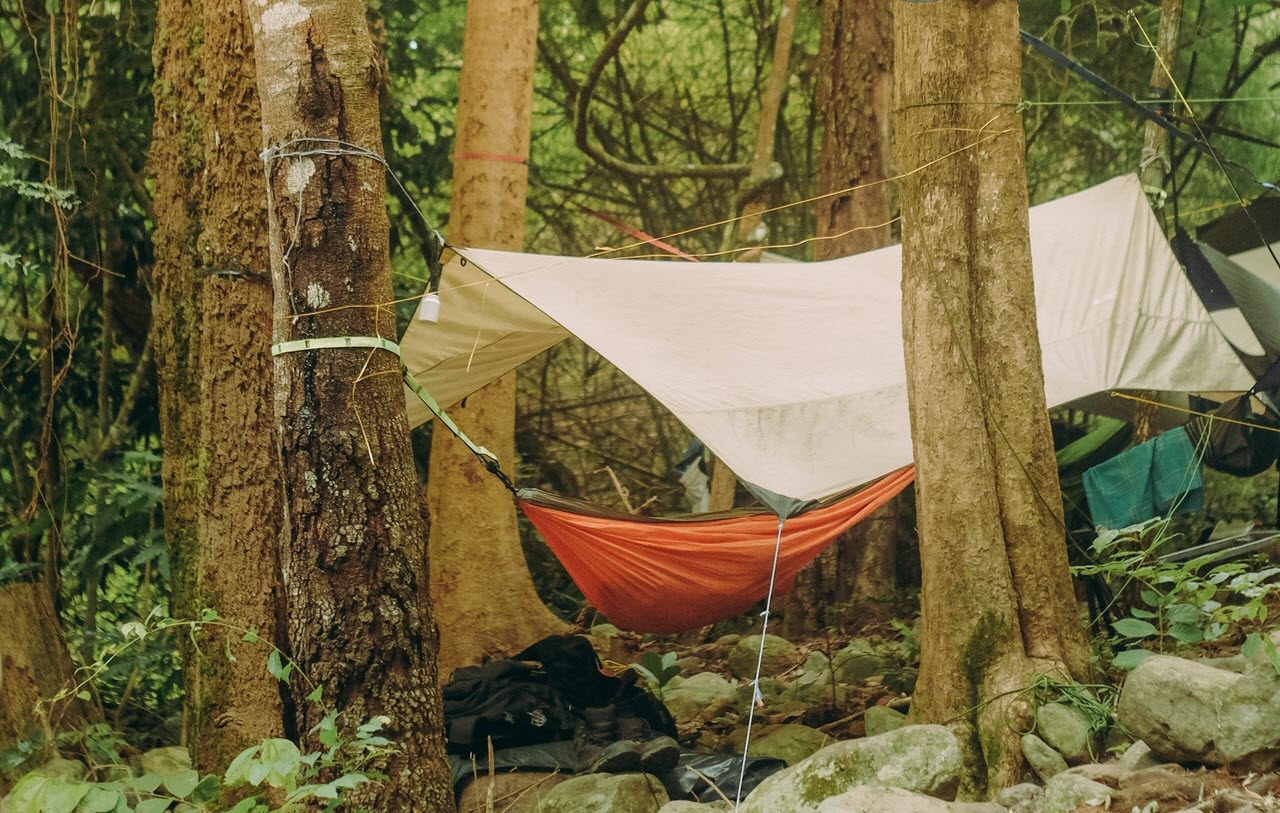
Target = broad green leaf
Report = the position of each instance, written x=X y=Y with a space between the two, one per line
x=210 y=614
x=1134 y=628
x=238 y=770
x=61 y=796
x=1130 y=658
x=1187 y=633
x=1183 y=614
x=1252 y=642
x=152 y=806
x=207 y=790
x=181 y=784
x=147 y=783
x=1138 y=612
x=251 y=635
x=315 y=695
x=278 y=670
x=100 y=800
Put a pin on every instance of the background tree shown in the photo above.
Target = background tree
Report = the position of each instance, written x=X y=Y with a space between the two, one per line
x=491 y=610
x=996 y=599
x=357 y=612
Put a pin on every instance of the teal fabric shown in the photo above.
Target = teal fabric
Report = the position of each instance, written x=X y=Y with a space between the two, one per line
x=1145 y=482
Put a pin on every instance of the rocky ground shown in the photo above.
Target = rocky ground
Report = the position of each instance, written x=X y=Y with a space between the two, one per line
x=1186 y=735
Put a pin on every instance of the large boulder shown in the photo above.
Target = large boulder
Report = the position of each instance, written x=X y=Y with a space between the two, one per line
x=880 y=799
x=699 y=697
x=1066 y=730
x=779 y=656
x=606 y=793
x=921 y=758
x=1189 y=712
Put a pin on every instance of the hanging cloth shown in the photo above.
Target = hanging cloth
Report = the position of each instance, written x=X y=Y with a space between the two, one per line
x=667 y=575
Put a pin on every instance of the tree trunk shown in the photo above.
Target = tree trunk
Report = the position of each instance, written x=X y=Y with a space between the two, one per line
x=34 y=667
x=353 y=555
x=235 y=703
x=480 y=582
x=996 y=598
x=855 y=90
x=212 y=319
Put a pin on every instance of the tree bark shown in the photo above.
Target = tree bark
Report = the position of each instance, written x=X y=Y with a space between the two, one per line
x=490 y=610
x=855 y=90
x=212 y=327
x=353 y=555
x=35 y=667
x=996 y=598
x=234 y=703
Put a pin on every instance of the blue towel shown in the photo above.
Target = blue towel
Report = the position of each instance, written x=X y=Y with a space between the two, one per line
x=1144 y=482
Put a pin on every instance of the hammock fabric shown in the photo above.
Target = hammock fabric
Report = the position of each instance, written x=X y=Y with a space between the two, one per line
x=667 y=575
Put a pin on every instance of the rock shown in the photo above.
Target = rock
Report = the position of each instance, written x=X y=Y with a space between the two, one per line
x=690 y=664
x=815 y=681
x=604 y=631
x=1105 y=772
x=63 y=768
x=605 y=793
x=790 y=743
x=1046 y=762
x=682 y=806
x=881 y=799
x=1137 y=757
x=882 y=719
x=699 y=697
x=1020 y=798
x=779 y=656
x=1065 y=792
x=729 y=639
x=919 y=758
x=165 y=761
x=858 y=661
x=518 y=792
x=1066 y=731
x=1188 y=712
x=771 y=689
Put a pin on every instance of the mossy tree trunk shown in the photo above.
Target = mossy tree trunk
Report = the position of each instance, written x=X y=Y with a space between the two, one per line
x=996 y=599
x=213 y=322
x=855 y=92
x=480 y=582
x=357 y=613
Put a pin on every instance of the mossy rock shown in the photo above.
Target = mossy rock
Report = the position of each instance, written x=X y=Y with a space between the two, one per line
x=780 y=655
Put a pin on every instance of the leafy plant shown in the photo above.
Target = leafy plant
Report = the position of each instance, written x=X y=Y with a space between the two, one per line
x=1179 y=604
x=658 y=670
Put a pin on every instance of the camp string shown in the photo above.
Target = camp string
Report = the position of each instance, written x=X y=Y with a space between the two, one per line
x=755 y=683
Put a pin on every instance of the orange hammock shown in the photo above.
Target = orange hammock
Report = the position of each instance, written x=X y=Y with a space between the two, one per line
x=666 y=575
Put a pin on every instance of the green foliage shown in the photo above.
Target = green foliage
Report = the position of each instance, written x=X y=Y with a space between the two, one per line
x=657 y=670
x=1176 y=605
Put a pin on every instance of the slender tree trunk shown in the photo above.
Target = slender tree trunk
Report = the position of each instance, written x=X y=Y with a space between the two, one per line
x=358 y=613
x=213 y=321
x=855 y=91
x=996 y=598
x=490 y=609
x=1153 y=168
x=234 y=703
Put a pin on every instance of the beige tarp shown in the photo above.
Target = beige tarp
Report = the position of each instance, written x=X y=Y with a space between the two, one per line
x=793 y=372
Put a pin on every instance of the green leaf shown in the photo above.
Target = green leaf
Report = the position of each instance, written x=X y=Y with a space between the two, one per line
x=181 y=784
x=83 y=695
x=1138 y=612
x=1130 y=658
x=210 y=614
x=1134 y=628
x=244 y=806
x=152 y=806
x=251 y=635
x=100 y=800
x=277 y=669
x=61 y=796
x=1252 y=642
x=1269 y=647
x=314 y=697
x=1183 y=614
x=1187 y=633
x=207 y=790
x=238 y=770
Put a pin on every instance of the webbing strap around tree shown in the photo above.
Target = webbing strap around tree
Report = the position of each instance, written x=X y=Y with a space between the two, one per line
x=486 y=457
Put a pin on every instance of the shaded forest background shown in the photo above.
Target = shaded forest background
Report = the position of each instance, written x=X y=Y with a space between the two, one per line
x=80 y=495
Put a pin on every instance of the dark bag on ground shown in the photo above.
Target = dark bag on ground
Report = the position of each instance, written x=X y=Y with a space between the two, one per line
x=1243 y=445
x=511 y=702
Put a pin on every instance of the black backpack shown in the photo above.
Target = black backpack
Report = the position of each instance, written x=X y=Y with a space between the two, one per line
x=1244 y=444
x=507 y=701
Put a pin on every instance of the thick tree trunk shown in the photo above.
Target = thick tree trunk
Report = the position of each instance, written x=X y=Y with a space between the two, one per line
x=855 y=91
x=234 y=703
x=353 y=557
x=996 y=598
x=34 y=667
x=212 y=322
x=480 y=582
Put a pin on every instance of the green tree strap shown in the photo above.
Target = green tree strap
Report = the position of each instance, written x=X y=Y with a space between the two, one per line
x=488 y=458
